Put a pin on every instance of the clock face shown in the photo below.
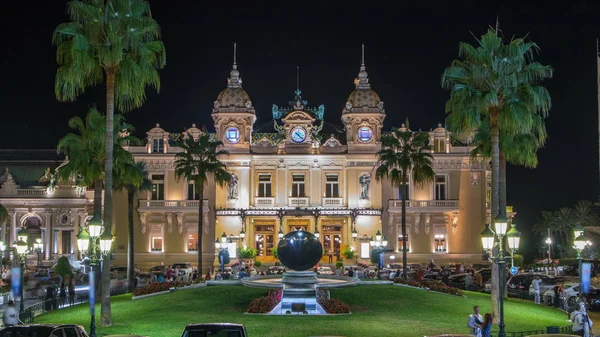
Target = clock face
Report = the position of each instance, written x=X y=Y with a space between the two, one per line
x=365 y=134
x=298 y=134
x=232 y=135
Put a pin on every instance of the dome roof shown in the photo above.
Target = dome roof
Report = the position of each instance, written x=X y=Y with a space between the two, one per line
x=363 y=98
x=233 y=98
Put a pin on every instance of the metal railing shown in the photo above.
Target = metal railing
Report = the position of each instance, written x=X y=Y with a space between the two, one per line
x=32 y=311
x=568 y=329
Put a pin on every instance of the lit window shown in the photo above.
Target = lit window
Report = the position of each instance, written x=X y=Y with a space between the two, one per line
x=298 y=185
x=440 y=242
x=158 y=145
x=365 y=134
x=332 y=188
x=401 y=242
x=232 y=135
x=158 y=187
x=440 y=187
x=157 y=244
x=439 y=145
x=264 y=185
x=193 y=242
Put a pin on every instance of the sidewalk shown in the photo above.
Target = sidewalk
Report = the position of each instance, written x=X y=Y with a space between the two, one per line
x=595 y=317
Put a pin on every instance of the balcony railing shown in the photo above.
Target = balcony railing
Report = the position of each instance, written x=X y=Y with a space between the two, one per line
x=332 y=202
x=157 y=204
x=298 y=202
x=264 y=202
x=425 y=204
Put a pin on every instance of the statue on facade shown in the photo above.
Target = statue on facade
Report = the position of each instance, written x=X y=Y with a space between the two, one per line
x=233 y=188
x=51 y=177
x=365 y=181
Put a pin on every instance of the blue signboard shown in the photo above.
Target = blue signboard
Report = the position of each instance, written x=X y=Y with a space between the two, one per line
x=15 y=280
x=381 y=258
x=586 y=275
x=92 y=293
x=514 y=270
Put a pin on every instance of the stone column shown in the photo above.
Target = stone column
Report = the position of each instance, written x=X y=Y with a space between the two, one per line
x=13 y=229
x=48 y=234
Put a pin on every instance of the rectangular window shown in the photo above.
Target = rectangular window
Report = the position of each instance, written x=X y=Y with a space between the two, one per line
x=156 y=244
x=66 y=242
x=298 y=185
x=440 y=187
x=158 y=187
x=404 y=189
x=264 y=185
x=332 y=187
x=365 y=250
x=440 y=242
x=264 y=240
x=401 y=243
x=439 y=145
x=158 y=145
x=192 y=243
x=192 y=195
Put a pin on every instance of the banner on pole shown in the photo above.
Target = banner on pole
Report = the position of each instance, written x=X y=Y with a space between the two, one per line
x=92 y=292
x=15 y=280
x=586 y=275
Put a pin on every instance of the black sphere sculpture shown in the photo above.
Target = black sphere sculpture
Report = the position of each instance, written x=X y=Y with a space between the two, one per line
x=299 y=250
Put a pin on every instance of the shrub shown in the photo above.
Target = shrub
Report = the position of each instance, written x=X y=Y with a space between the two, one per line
x=334 y=306
x=518 y=259
x=275 y=253
x=339 y=264
x=248 y=253
x=155 y=287
x=265 y=304
x=433 y=286
x=348 y=253
x=257 y=264
x=63 y=267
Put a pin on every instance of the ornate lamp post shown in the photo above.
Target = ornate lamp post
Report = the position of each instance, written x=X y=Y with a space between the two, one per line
x=101 y=241
x=378 y=244
x=488 y=239
x=220 y=246
x=280 y=233
x=21 y=247
x=549 y=243
x=579 y=243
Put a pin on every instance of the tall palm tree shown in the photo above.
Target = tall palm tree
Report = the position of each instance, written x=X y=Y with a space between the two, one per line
x=133 y=178
x=501 y=82
x=86 y=153
x=405 y=152
x=116 y=41
x=583 y=213
x=198 y=161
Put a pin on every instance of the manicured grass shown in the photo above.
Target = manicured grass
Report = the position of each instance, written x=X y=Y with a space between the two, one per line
x=378 y=310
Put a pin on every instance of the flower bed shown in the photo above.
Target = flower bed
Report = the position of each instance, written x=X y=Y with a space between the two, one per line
x=265 y=304
x=334 y=306
x=155 y=287
x=433 y=286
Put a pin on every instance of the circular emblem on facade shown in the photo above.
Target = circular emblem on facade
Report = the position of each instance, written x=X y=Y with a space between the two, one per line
x=298 y=134
x=365 y=134
x=232 y=135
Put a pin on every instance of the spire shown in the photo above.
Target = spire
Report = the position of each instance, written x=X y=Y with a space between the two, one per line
x=363 y=78
x=234 y=80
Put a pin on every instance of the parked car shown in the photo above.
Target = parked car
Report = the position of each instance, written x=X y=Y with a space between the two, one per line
x=158 y=270
x=571 y=293
x=215 y=329
x=44 y=330
x=549 y=283
x=518 y=285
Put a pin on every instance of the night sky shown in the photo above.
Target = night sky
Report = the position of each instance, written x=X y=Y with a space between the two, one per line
x=407 y=49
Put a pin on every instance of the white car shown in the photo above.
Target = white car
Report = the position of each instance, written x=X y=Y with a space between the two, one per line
x=571 y=292
x=185 y=271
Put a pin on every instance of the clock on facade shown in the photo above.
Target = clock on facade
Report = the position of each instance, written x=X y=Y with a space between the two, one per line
x=365 y=134
x=232 y=135
x=298 y=134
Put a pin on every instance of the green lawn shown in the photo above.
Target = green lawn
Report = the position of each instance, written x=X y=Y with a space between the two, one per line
x=378 y=310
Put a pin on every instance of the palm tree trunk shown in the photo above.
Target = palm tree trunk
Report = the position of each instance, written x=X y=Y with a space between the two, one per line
x=130 y=250
x=200 y=187
x=105 y=312
x=98 y=197
x=502 y=194
x=495 y=205
x=404 y=251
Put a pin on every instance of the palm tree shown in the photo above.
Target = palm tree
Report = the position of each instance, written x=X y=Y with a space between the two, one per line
x=405 y=152
x=583 y=213
x=496 y=83
x=112 y=40
x=133 y=178
x=198 y=161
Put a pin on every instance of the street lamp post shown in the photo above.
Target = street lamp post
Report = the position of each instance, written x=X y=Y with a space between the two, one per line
x=579 y=243
x=21 y=247
x=101 y=241
x=549 y=243
x=488 y=239
x=378 y=244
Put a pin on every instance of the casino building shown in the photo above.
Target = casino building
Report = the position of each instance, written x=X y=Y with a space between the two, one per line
x=302 y=175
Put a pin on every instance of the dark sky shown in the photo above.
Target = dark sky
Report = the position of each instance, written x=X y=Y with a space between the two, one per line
x=407 y=48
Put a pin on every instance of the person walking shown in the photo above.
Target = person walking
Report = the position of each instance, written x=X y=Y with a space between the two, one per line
x=474 y=322
x=468 y=280
x=71 y=292
x=536 y=289
x=330 y=257
x=582 y=324
x=486 y=327
x=10 y=316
